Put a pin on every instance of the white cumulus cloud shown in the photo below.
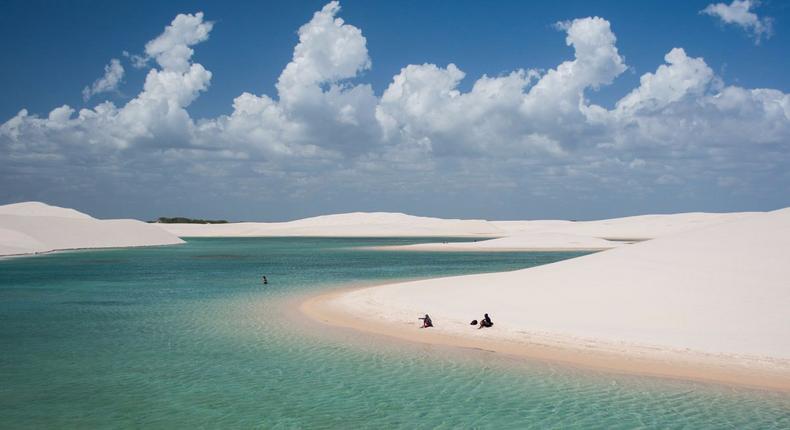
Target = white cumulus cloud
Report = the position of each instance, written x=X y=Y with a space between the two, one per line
x=173 y=48
x=739 y=13
x=317 y=113
x=680 y=77
x=113 y=75
x=522 y=134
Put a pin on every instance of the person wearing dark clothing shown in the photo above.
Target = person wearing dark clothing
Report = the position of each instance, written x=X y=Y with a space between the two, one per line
x=426 y=321
x=485 y=322
x=265 y=281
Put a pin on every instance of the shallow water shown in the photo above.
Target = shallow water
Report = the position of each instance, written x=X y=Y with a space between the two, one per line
x=186 y=336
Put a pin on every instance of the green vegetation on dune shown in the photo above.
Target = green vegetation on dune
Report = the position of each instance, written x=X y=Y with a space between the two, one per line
x=183 y=220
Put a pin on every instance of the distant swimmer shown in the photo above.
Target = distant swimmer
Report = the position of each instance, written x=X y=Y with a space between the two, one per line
x=426 y=321
x=265 y=281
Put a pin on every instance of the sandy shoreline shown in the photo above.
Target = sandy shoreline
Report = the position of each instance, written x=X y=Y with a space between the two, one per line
x=620 y=358
x=707 y=303
x=58 y=251
x=521 y=242
x=431 y=247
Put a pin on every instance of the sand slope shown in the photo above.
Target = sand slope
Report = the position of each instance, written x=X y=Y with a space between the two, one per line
x=33 y=227
x=640 y=227
x=41 y=209
x=723 y=289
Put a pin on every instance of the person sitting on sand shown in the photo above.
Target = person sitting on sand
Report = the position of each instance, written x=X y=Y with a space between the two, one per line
x=485 y=322
x=426 y=321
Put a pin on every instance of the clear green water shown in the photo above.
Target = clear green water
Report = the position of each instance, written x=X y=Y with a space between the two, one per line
x=187 y=337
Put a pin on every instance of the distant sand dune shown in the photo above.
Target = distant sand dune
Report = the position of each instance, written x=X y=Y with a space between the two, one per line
x=33 y=227
x=377 y=224
x=539 y=241
x=41 y=209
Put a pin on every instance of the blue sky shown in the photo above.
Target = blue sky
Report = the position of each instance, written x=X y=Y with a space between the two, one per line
x=53 y=50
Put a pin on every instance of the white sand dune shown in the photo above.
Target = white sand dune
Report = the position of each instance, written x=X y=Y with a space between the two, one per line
x=33 y=227
x=720 y=289
x=640 y=227
x=538 y=241
x=41 y=209
x=561 y=235
x=360 y=224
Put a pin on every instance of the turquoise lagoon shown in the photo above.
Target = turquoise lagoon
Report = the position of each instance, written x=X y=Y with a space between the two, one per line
x=187 y=337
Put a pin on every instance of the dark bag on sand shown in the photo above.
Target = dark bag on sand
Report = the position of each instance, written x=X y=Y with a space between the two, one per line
x=474 y=322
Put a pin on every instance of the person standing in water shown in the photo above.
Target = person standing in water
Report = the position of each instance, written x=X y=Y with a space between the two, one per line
x=265 y=281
